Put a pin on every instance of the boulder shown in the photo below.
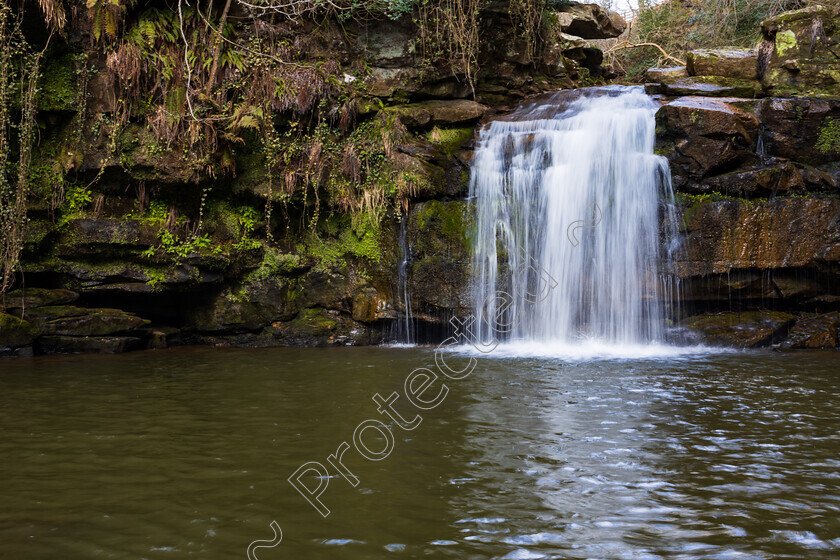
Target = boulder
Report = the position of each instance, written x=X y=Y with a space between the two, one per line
x=814 y=331
x=590 y=21
x=729 y=62
x=439 y=112
x=750 y=329
x=80 y=321
x=15 y=333
x=799 y=53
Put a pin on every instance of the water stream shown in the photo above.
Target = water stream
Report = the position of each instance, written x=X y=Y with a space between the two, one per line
x=403 y=329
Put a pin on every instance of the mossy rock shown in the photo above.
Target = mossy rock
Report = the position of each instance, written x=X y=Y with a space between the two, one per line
x=15 y=333
x=29 y=298
x=78 y=321
x=729 y=62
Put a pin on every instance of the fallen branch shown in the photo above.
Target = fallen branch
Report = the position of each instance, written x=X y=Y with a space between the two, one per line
x=633 y=46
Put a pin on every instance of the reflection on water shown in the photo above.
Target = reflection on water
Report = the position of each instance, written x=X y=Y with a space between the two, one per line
x=166 y=454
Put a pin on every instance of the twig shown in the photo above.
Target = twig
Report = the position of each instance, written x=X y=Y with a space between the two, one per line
x=633 y=46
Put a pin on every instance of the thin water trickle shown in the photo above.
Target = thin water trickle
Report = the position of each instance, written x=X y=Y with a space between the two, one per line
x=540 y=181
x=404 y=326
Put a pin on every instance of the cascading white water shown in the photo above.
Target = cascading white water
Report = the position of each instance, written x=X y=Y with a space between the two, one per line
x=579 y=156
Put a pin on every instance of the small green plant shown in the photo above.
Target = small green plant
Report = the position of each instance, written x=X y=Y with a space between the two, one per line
x=76 y=198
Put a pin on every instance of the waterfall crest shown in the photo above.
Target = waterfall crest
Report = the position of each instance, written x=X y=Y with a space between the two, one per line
x=541 y=181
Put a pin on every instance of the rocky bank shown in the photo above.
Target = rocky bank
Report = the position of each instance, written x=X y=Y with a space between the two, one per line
x=752 y=137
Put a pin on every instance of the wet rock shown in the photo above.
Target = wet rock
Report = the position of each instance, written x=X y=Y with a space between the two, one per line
x=750 y=329
x=792 y=128
x=590 y=21
x=86 y=236
x=228 y=313
x=713 y=86
x=729 y=62
x=702 y=136
x=778 y=177
x=28 y=298
x=160 y=337
x=737 y=234
x=368 y=306
x=820 y=331
x=441 y=255
x=669 y=74
x=319 y=327
x=15 y=333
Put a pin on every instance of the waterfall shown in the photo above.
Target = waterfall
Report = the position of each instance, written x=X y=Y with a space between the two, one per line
x=573 y=182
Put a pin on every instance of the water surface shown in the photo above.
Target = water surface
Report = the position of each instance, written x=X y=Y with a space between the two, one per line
x=161 y=455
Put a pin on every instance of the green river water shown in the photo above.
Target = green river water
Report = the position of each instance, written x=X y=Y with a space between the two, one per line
x=186 y=452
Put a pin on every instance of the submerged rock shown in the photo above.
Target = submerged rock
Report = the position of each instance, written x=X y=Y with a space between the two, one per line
x=750 y=329
x=814 y=332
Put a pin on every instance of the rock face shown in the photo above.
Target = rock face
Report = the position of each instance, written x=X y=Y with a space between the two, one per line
x=727 y=235
x=134 y=243
x=741 y=146
x=758 y=180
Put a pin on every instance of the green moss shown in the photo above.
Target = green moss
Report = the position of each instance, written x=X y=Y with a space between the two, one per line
x=275 y=263
x=57 y=88
x=446 y=218
x=785 y=41
x=829 y=138
x=344 y=240
x=449 y=140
